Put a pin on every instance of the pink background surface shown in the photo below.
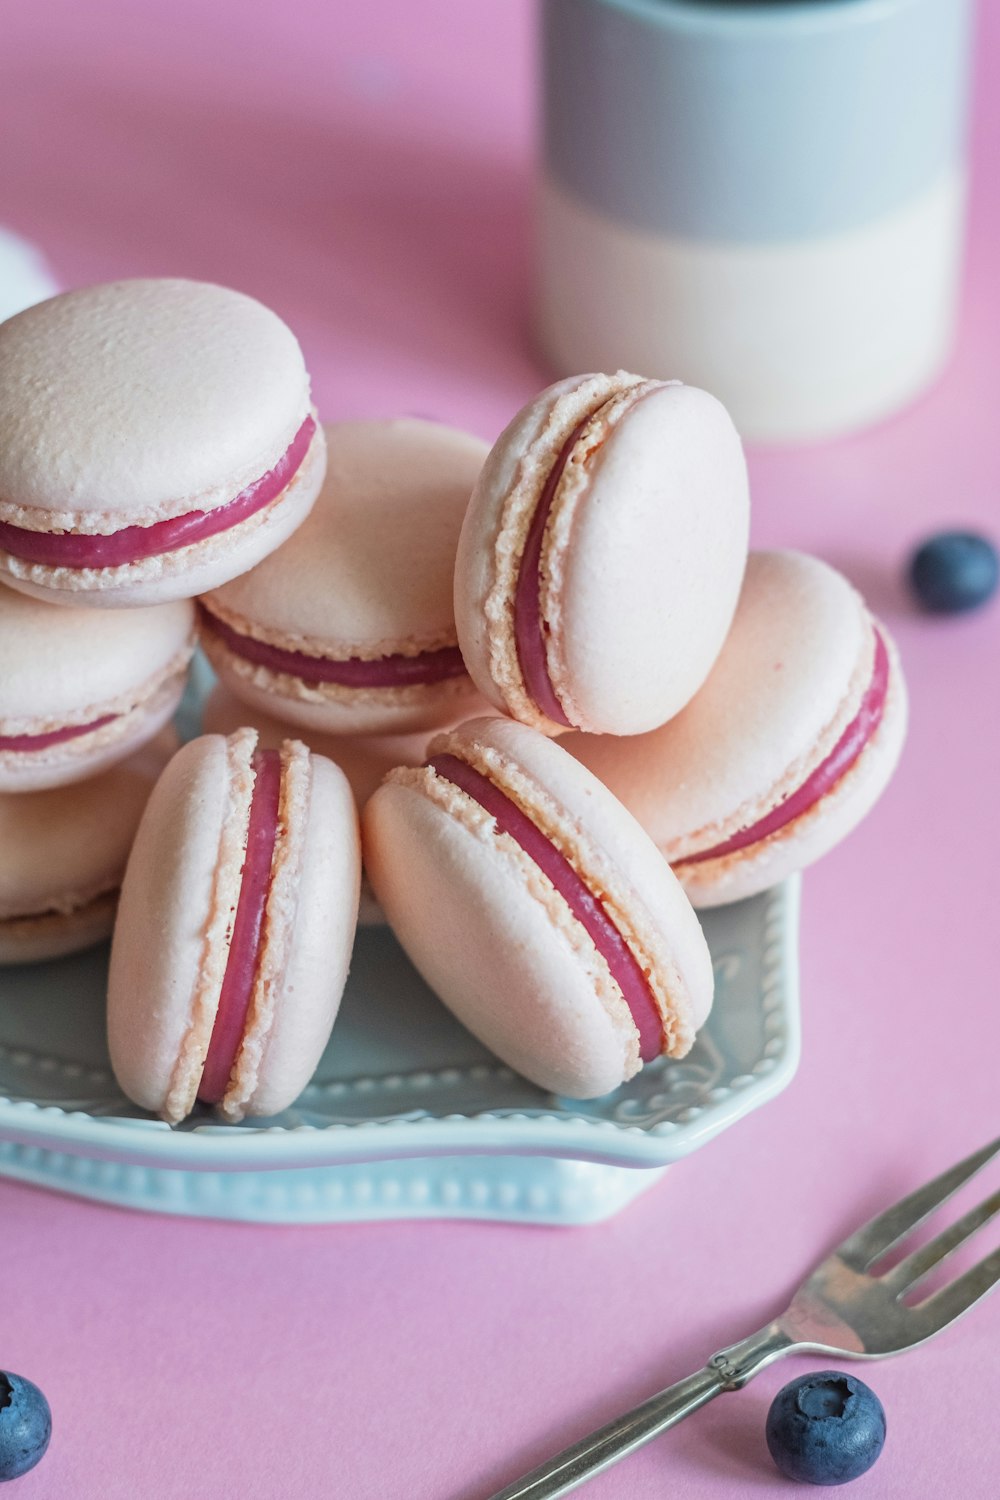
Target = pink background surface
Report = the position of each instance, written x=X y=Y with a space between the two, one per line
x=365 y=169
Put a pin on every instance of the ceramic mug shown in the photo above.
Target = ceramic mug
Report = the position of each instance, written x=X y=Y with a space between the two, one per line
x=764 y=199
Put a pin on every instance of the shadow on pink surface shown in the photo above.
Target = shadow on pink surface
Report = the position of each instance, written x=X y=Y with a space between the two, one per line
x=733 y=1449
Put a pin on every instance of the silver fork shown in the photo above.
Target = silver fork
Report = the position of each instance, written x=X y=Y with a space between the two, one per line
x=841 y=1309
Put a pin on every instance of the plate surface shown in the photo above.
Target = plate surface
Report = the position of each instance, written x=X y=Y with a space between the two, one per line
x=407 y=1116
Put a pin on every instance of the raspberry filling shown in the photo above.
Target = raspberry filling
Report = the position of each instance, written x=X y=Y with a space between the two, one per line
x=529 y=627
x=30 y=742
x=826 y=775
x=384 y=672
x=588 y=909
x=71 y=549
x=244 y=947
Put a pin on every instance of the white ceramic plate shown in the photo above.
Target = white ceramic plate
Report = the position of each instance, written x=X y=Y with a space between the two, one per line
x=407 y=1116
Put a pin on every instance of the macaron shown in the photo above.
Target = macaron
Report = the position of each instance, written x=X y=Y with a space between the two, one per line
x=784 y=750
x=81 y=689
x=234 y=929
x=537 y=908
x=349 y=628
x=602 y=554
x=156 y=439
x=64 y=855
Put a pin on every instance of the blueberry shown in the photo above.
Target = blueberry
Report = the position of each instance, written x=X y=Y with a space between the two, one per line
x=25 y=1425
x=954 y=571
x=825 y=1428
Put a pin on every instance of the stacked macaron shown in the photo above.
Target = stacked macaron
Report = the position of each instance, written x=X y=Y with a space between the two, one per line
x=346 y=636
x=401 y=607
x=156 y=437
x=601 y=557
x=597 y=574
x=85 y=700
x=731 y=721
x=349 y=629
x=366 y=592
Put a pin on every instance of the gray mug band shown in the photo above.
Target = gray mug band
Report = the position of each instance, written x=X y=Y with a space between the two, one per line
x=760 y=122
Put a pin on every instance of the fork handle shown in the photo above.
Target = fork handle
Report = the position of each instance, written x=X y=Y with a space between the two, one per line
x=622 y=1436
x=727 y=1371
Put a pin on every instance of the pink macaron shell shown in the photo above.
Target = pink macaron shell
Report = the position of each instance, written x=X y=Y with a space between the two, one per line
x=788 y=682
x=674 y=472
x=64 y=855
x=159 y=938
x=209 y=385
x=279 y=1065
x=72 y=669
x=512 y=977
x=368 y=576
x=210 y=388
x=438 y=868
x=657 y=515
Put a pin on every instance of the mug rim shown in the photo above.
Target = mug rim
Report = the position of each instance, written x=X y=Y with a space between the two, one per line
x=727 y=17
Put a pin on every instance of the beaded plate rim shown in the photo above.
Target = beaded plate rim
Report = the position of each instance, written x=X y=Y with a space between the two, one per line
x=629 y=1133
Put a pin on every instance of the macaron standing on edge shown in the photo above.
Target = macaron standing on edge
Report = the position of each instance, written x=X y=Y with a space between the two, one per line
x=156 y=438
x=537 y=909
x=81 y=689
x=788 y=745
x=602 y=554
x=64 y=853
x=350 y=627
x=234 y=929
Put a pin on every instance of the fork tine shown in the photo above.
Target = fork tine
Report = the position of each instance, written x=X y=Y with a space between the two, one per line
x=913 y=1268
x=942 y=1307
x=879 y=1235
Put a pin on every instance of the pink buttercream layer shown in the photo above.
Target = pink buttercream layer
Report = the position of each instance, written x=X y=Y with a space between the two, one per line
x=826 y=775
x=585 y=906
x=30 y=742
x=392 y=671
x=70 y=549
x=529 y=627
x=244 y=948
